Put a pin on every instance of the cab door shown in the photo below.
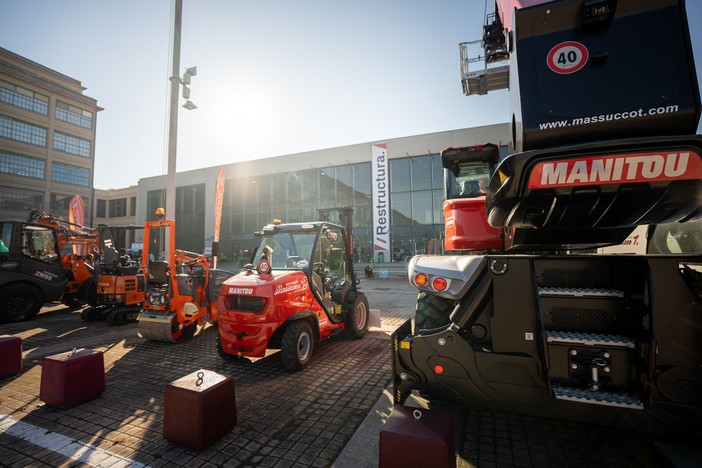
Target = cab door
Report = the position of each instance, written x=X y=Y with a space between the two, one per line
x=40 y=258
x=331 y=272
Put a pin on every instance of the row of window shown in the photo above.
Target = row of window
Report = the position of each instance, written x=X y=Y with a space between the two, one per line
x=36 y=135
x=22 y=131
x=116 y=208
x=25 y=166
x=24 y=98
x=72 y=114
x=39 y=103
x=71 y=144
x=29 y=200
x=16 y=164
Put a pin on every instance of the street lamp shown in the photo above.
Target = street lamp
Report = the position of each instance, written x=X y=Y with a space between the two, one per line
x=185 y=80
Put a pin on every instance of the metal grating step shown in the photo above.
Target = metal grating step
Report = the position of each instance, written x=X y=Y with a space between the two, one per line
x=589 y=339
x=581 y=292
x=597 y=398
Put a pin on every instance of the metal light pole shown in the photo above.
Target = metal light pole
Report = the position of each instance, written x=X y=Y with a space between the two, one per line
x=176 y=81
x=173 y=116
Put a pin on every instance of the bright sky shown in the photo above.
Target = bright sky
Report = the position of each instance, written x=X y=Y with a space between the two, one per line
x=274 y=77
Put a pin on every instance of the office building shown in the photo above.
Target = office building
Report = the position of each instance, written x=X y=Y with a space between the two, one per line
x=47 y=139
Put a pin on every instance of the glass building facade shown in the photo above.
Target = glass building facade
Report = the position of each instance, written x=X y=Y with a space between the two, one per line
x=416 y=196
x=292 y=188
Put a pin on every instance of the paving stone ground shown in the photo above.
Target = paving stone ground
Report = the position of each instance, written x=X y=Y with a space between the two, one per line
x=303 y=419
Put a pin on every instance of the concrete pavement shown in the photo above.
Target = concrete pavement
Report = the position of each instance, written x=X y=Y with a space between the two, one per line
x=330 y=414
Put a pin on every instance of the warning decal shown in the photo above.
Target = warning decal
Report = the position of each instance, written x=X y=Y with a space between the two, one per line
x=567 y=57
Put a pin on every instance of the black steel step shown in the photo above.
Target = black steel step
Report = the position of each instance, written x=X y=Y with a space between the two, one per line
x=589 y=339
x=580 y=395
x=580 y=292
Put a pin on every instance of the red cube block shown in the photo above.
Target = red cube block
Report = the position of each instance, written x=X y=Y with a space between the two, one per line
x=199 y=409
x=11 y=352
x=71 y=378
x=417 y=437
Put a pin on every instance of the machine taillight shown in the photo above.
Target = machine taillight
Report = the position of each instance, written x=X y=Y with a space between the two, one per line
x=438 y=369
x=439 y=284
x=421 y=279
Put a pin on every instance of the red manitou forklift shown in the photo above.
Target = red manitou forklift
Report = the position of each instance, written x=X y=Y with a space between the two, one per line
x=302 y=291
x=602 y=140
x=180 y=291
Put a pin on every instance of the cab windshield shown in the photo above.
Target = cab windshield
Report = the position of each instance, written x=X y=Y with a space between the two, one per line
x=469 y=180
x=287 y=250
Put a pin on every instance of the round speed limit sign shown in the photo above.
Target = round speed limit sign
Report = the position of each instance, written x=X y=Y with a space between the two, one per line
x=567 y=57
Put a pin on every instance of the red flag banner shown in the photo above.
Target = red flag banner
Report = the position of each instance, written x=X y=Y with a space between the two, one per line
x=219 y=202
x=76 y=215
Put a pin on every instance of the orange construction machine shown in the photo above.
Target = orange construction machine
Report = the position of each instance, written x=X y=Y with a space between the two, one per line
x=180 y=289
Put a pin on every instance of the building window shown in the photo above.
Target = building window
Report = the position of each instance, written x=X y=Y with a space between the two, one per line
x=101 y=208
x=68 y=174
x=190 y=213
x=20 y=199
x=60 y=204
x=71 y=144
x=421 y=173
x=117 y=208
x=437 y=172
x=132 y=206
x=24 y=98
x=400 y=175
x=75 y=115
x=25 y=166
x=155 y=199
x=22 y=131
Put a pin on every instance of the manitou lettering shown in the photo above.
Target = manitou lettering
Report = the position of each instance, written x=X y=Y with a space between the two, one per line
x=241 y=291
x=642 y=167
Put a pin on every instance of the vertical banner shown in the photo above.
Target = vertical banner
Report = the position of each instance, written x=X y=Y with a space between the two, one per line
x=381 y=201
x=219 y=202
x=76 y=215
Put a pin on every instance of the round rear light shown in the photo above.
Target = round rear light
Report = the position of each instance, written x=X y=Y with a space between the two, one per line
x=438 y=369
x=439 y=284
x=421 y=279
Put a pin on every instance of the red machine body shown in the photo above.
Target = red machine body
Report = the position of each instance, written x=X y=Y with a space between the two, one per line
x=467 y=171
x=303 y=291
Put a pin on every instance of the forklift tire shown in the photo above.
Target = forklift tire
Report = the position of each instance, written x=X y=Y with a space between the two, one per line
x=431 y=312
x=297 y=345
x=356 y=322
x=20 y=302
x=222 y=353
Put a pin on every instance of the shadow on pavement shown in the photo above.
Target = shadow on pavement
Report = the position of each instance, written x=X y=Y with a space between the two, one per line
x=305 y=417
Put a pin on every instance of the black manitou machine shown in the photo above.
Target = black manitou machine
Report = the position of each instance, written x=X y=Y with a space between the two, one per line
x=605 y=105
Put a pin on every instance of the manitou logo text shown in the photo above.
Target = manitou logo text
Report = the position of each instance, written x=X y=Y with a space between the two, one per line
x=597 y=170
x=241 y=291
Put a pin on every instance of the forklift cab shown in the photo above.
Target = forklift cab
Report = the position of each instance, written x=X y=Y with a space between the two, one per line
x=331 y=269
